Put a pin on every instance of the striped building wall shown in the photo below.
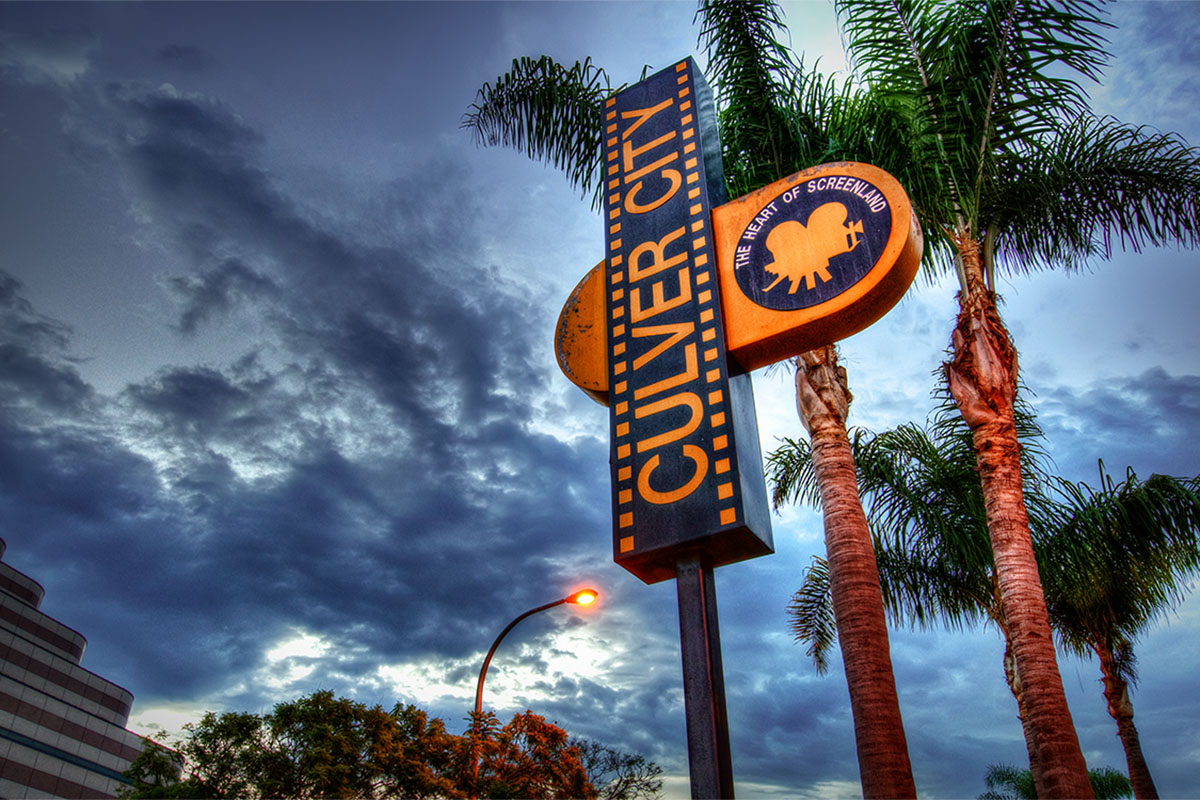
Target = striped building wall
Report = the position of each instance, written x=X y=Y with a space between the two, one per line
x=62 y=728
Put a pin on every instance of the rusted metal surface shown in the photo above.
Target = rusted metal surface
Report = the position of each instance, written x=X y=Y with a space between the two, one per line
x=579 y=342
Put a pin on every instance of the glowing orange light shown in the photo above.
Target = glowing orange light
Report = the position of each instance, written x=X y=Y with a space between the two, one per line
x=583 y=597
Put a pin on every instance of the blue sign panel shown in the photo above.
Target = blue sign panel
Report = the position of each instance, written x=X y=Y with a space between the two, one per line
x=812 y=242
x=686 y=466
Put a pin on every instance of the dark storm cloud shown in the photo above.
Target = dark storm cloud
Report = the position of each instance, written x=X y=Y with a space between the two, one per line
x=200 y=401
x=35 y=370
x=366 y=472
x=412 y=319
x=1149 y=422
x=216 y=291
x=184 y=57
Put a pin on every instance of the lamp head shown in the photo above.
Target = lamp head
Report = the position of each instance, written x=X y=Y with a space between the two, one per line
x=584 y=597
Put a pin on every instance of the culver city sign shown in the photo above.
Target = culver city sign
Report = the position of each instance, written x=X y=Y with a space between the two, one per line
x=694 y=293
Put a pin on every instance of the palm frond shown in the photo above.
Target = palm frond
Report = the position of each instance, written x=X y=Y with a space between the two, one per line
x=811 y=611
x=1017 y=782
x=793 y=478
x=1094 y=185
x=1136 y=542
x=921 y=590
x=1036 y=53
x=548 y=111
x=753 y=73
x=981 y=78
x=1110 y=784
x=890 y=42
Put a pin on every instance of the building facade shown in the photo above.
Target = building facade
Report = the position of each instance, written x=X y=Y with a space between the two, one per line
x=62 y=728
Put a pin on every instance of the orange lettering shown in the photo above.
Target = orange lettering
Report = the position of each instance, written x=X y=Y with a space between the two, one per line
x=629 y=151
x=689 y=373
x=690 y=451
x=634 y=207
x=688 y=399
x=642 y=114
x=655 y=249
x=659 y=303
x=653 y=165
x=673 y=332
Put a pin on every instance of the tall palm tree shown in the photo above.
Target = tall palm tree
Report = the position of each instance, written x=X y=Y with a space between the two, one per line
x=927 y=514
x=775 y=118
x=1113 y=560
x=1140 y=539
x=1008 y=168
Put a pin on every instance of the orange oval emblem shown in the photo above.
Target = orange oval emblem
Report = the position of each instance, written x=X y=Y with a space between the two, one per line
x=801 y=263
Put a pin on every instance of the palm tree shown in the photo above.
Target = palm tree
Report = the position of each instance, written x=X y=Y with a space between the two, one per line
x=1112 y=560
x=1007 y=167
x=1005 y=782
x=926 y=509
x=1151 y=525
x=775 y=118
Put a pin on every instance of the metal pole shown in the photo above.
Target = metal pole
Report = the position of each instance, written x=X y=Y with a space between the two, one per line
x=703 y=681
x=582 y=597
x=495 y=644
x=483 y=674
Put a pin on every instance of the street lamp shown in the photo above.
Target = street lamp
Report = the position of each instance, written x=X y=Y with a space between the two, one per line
x=584 y=597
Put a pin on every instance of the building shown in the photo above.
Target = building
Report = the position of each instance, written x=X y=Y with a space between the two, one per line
x=62 y=728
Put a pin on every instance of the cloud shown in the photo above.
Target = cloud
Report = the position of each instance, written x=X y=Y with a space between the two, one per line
x=1147 y=422
x=1138 y=89
x=36 y=368
x=58 y=55
x=368 y=470
x=186 y=58
x=216 y=291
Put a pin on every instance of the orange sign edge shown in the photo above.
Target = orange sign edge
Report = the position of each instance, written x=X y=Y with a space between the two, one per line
x=581 y=341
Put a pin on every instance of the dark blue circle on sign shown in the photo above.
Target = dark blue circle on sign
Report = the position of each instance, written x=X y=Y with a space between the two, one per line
x=812 y=242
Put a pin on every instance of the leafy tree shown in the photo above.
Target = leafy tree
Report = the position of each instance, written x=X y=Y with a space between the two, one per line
x=529 y=758
x=617 y=775
x=317 y=746
x=1006 y=782
x=155 y=774
x=1112 y=560
x=1009 y=169
x=322 y=746
x=775 y=118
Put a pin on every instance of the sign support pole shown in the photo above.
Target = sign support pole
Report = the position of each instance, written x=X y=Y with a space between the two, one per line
x=703 y=681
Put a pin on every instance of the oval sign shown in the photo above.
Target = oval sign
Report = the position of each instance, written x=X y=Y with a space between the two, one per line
x=813 y=258
x=812 y=241
x=802 y=263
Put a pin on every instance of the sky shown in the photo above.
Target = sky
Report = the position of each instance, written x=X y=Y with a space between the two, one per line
x=279 y=409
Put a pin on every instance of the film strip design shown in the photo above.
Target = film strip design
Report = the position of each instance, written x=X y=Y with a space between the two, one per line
x=674 y=463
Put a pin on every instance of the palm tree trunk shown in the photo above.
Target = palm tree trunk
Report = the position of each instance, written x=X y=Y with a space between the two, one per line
x=983 y=380
x=823 y=401
x=1116 y=692
x=1018 y=691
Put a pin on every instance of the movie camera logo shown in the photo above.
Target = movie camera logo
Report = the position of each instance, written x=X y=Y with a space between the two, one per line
x=812 y=242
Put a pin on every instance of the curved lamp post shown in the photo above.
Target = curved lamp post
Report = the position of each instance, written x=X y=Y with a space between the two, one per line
x=583 y=597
